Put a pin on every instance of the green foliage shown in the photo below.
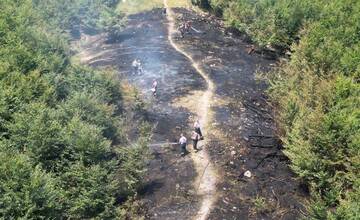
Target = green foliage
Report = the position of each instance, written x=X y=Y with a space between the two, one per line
x=268 y=22
x=26 y=191
x=318 y=96
x=112 y=23
x=332 y=44
x=37 y=131
x=81 y=14
x=133 y=166
x=89 y=192
x=260 y=204
x=138 y=6
x=63 y=142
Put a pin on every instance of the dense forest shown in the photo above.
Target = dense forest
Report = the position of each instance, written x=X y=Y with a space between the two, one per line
x=317 y=91
x=64 y=146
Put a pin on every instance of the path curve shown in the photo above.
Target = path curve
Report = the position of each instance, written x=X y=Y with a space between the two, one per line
x=207 y=177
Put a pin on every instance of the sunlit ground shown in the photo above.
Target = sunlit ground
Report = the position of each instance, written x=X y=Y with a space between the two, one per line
x=136 y=6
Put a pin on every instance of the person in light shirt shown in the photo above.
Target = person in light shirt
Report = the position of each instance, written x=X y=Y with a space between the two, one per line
x=182 y=142
x=154 y=87
x=197 y=128
x=137 y=67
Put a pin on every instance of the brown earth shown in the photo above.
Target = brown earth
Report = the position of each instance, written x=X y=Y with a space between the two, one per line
x=241 y=135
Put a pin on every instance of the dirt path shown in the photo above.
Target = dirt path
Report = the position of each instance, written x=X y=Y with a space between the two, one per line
x=207 y=178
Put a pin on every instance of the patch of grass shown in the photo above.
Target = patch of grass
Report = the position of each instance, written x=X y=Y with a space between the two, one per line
x=76 y=59
x=180 y=3
x=136 y=6
x=260 y=204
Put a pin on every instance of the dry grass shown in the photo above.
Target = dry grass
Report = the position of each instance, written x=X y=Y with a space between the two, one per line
x=137 y=6
x=179 y=3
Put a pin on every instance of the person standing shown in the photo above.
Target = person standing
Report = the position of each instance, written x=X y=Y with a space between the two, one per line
x=139 y=66
x=154 y=87
x=187 y=27
x=197 y=128
x=182 y=30
x=135 y=66
x=164 y=11
x=182 y=142
x=195 y=138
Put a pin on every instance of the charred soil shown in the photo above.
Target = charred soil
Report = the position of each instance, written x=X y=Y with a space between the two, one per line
x=244 y=133
x=241 y=135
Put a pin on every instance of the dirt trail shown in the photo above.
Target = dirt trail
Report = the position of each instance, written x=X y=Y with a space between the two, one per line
x=207 y=178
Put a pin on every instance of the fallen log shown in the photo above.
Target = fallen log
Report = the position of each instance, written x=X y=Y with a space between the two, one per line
x=261 y=113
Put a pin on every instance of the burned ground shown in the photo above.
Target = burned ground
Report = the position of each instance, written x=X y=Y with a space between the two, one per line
x=242 y=135
x=168 y=193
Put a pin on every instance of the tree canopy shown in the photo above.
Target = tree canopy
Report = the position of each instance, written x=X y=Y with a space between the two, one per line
x=63 y=142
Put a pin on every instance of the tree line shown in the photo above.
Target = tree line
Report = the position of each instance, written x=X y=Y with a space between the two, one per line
x=64 y=146
x=316 y=92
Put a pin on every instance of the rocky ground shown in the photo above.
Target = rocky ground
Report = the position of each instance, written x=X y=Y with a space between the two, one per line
x=242 y=135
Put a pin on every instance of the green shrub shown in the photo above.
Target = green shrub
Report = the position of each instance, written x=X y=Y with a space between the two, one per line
x=89 y=192
x=63 y=141
x=26 y=192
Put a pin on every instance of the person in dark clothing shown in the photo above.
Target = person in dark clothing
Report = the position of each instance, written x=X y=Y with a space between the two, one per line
x=187 y=26
x=195 y=138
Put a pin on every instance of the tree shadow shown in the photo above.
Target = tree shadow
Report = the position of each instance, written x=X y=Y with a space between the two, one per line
x=111 y=39
x=150 y=187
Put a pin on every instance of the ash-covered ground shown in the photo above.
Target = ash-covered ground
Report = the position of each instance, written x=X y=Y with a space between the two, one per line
x=243 y=132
